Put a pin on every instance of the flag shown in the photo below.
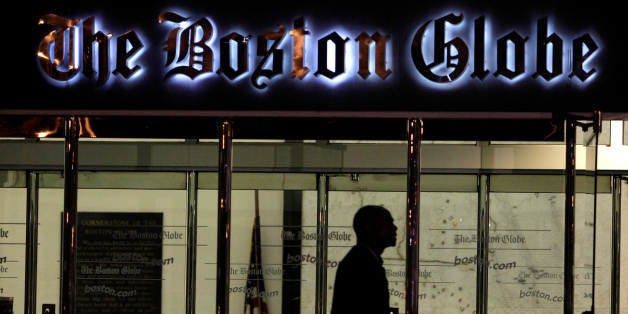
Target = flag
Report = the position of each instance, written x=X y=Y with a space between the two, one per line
x=254 y=298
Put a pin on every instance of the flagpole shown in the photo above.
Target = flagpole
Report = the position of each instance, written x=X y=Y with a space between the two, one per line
x=254 y=295
x=256 y=204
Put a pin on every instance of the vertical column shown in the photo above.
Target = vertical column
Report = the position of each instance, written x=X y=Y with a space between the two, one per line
x=68 y=236
x=570 y=205
x=597 y=128
x=415 y=134
x=322 y=186
x=481 y=294
x=616 y=245
x=225 y=158
x=32 y=218
x=190 y=278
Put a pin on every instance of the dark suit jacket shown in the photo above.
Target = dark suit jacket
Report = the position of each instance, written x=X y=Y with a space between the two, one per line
x=361 y=285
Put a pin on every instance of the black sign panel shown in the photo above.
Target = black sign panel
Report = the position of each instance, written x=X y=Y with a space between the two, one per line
x=208 y=58
x=119 y=263
x=6 y=305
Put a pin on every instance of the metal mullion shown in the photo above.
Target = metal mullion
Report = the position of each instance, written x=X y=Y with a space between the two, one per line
x=192 y=201
x=32 y=228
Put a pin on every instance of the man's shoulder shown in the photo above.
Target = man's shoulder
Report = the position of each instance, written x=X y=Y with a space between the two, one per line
x=357 y=255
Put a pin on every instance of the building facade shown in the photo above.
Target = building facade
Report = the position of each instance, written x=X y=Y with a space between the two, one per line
x=156 y=141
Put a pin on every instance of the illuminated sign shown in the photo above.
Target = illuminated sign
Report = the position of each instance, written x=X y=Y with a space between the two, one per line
x=442 y=53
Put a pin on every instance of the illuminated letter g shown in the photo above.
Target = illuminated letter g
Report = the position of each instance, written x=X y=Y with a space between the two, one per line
x=443 y=51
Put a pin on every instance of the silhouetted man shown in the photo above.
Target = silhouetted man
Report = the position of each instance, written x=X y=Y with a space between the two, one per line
x=361 y=285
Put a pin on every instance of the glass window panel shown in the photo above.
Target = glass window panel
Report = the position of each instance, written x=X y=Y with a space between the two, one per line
x=278 y=253
x=526 y=246
x=347 y=194
x=525 y=252
x=583 y=243
x=206 y=249
x=586 y=225
x=448 y=213
x=526 y=241
x=12 y=240
x=593 y=218
x=49 y=234
x=118 y=192
x=603 y=255
x=308 y=256
x=242 y=224
x=342 y=207
x=447 y=248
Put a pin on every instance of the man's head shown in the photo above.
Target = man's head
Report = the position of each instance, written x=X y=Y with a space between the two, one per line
x=374 y=227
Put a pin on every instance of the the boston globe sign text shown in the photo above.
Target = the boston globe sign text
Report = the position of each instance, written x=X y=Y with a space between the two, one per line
x=442 y=51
